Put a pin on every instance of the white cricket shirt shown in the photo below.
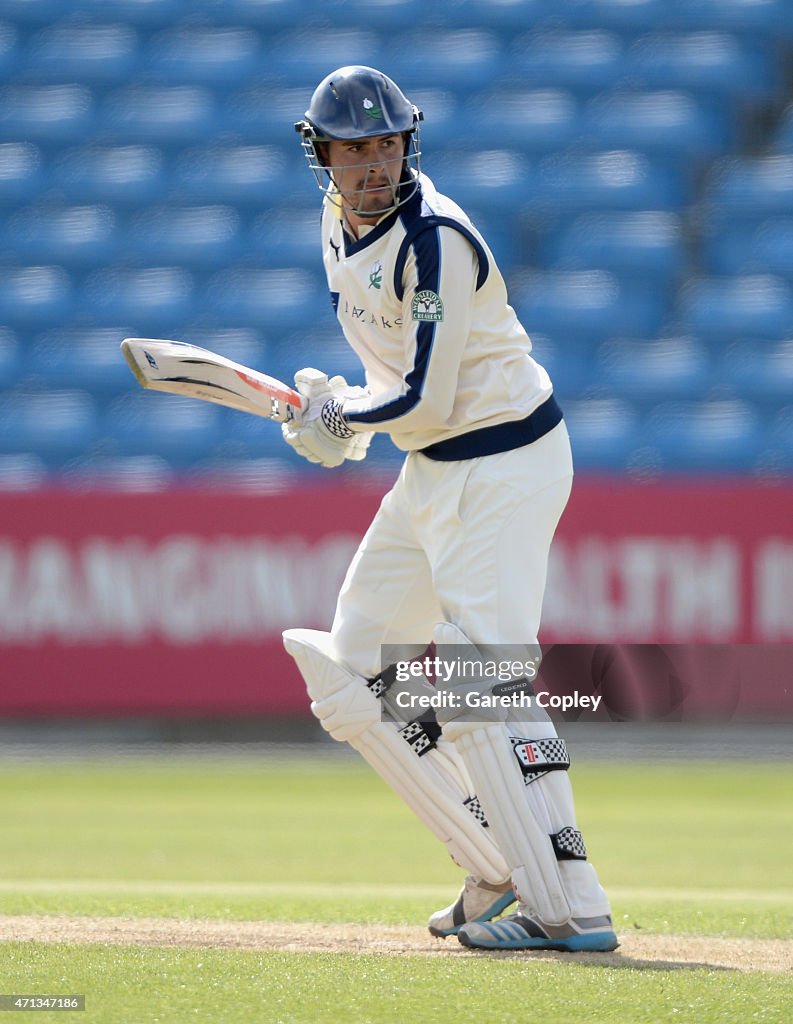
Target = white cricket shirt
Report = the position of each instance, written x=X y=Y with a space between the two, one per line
x=423 y=304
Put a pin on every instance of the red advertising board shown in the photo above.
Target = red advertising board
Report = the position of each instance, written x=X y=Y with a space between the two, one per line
x=173 y=603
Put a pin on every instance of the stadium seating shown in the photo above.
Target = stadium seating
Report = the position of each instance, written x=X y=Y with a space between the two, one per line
x=204 y=55
x=760 y=370
x=719 y=435
x=647 y=244
x=586 y=304
x=9 y=358
x=54 y=425
x=728 y=308
x=748 y=249
x=629 y=163
x=79 y=236
x=46 y=114
x=79 y=357
x=714 y=65
x=204 y=237
x=20 y=172
x=530 y=121
x=97 y=54
x=583 y=62
x=649 y=371
x=603 y=432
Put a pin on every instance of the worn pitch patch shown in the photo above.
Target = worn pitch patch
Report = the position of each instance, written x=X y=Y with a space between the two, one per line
x=660 y=952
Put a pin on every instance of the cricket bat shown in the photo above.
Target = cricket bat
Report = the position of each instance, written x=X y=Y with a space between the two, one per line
x=184 y=369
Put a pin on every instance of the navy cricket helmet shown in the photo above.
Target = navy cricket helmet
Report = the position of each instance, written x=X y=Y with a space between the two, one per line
x=358 y=102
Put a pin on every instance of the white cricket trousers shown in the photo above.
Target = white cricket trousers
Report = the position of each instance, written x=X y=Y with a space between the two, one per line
x=462 y=542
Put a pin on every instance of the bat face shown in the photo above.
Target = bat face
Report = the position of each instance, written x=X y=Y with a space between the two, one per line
x=180 y=368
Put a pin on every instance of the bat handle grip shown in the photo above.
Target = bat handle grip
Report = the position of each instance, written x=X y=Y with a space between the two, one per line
x=310 y=383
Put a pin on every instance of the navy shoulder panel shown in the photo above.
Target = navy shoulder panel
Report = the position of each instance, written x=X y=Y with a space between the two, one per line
x=431 y=223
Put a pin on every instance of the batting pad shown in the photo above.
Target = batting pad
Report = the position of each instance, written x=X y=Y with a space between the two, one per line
x=527 y=847
x=431 y=780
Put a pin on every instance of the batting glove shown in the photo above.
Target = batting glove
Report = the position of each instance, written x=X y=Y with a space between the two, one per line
x=322 y=435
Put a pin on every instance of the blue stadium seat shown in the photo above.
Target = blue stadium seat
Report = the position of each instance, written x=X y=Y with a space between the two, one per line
x=123 y=175
x=461 y=59
x=707 y=64
x=288 y=237
x=667 y=124
x=149 y=298
x=142 y=14
x=196 y=236
x=9 y=51
x=766 y=20
x=46 y=114
x=746 y=306
x=256 y=175
x=603 y=432
x=219 y=56
x=749 y=249
x=586 y=305
x=30 y=13
x=762 y=370
x=9 y=358
x=568 y=362
x=20 y=172
x=719 y=436
x=283 y=298
x=23 y=472
x=505 y=242
x=630 y=17
x=54 y=424
x=164 y=115
x=303 y=57
x=443 y=113
x=245 y=345
x=255 y=474
x=266 y=114
x=35 y=296
x=81 y=357
x=646 y=244
x=126 y=473
x=494 y=181
x=783 y=137
x=531 y=121
x=780 y=439
x=77 y=236
x=749 y=188
x=269 y=15
x=653 y=369
x=391 y=15
x=618 y=180
x=86 y=53
x=586 y=62
x=178 y=429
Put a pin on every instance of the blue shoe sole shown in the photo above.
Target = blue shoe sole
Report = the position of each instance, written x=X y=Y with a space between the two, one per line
x=596 y=942
x=493 y=910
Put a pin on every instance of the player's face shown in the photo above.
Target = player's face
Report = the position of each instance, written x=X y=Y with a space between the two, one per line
x=366 y=172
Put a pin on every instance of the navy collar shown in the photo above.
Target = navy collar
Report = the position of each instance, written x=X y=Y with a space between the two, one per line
x=354 y=245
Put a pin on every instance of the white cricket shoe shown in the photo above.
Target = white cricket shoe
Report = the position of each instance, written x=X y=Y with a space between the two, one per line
x=519 y=931
x=477 y=901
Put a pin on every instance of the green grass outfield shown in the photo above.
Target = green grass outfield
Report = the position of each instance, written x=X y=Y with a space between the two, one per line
x=700 y=852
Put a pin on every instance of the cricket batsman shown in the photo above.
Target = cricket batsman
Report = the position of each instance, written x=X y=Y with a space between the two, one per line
x=457 y=552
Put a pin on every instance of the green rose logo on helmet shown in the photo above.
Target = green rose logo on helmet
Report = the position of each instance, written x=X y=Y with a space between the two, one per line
x=372 y=111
